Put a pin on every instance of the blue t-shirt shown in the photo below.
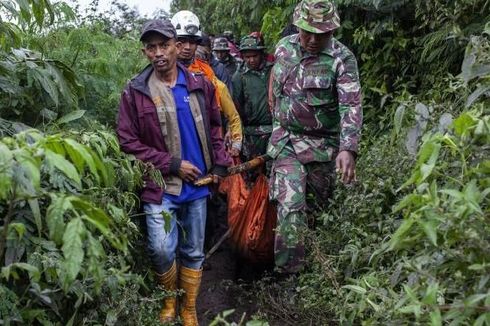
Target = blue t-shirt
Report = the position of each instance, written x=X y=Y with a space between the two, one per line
x=190 y=143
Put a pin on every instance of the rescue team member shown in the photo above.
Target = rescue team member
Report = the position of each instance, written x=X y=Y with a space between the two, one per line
x=221 y=51
x=189 y=34
x=169 y=117
x=317 y=119
x=250 y=89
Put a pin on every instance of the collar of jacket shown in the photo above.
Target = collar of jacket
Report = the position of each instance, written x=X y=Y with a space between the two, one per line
x=140 y=82
x=266 y=65
x=329 y=49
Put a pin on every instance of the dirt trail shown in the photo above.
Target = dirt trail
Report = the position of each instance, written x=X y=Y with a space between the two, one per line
x=220 y=292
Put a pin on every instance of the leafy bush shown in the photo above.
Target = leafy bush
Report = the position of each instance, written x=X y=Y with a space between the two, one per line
x=66 y=222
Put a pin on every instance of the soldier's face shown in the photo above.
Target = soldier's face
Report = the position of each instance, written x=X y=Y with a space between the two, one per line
x=187 y=48
x=161 y=52
x=221 y=55
x=253 y=59
x=312 y=42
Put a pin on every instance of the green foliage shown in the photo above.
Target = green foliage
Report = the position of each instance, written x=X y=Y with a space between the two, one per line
x=102 y=63
x=407 y=244
x=65 y=217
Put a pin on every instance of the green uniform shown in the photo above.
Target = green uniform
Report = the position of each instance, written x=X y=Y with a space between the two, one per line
x=316 y=113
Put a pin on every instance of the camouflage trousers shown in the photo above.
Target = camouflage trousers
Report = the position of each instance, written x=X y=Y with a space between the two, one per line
x=297 y=189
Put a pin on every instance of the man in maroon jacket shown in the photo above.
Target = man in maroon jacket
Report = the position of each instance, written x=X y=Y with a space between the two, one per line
x=169 y=117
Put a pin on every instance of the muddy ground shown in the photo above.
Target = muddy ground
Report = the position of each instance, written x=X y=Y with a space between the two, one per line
x=221 y=290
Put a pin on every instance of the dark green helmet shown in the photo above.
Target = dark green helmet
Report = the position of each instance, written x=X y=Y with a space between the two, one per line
x=250 y=43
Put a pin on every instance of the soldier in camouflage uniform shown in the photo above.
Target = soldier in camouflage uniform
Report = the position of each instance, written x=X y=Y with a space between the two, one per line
x=317 y=118
x=221 y=51
x=250 y=90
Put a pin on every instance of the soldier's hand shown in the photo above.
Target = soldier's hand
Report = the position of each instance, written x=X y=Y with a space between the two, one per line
x=188 y=171
x=346 y=165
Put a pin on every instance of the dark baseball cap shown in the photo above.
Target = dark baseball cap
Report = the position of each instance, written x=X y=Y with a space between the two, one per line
x=160 y=26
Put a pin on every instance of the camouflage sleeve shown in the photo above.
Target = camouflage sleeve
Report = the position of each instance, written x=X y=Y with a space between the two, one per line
x=270 y=93
x=350 y=109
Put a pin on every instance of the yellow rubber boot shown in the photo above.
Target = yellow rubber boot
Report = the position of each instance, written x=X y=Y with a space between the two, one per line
x=189 y=281
x=169 y=281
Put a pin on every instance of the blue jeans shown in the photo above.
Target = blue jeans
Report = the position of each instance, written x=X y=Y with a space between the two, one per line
x=185 y=233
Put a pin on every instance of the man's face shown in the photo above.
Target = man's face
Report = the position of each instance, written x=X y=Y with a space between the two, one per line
x=253 y=59
x=221 y=55
x=161 y=51
x=187 y=48
x=312 y=42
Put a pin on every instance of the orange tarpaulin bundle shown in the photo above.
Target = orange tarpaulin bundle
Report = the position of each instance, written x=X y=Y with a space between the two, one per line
x=251 y=218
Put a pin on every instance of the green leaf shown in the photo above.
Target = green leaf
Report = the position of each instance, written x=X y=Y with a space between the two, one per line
x=9 y=271
x=20 y=228
x=28 y=175
x=72 y=116
x=73 y=248
x=415 y=309
x=6 y=171
x=257 y=323
x=92 y=214
x=435 y=318
x=55 y=217
x=409 y=200
x=36 y=212
x=58 y=161
x=430 y=297
x=167 y=218
x=43 y=77
x=474 y=299
x=427 y=168
x=355 y=288
x=453 y=193
x=430 y=229
x=80 y=155
x=398 y=118
x=463 y=124
x=399 y=234
x=411 y=293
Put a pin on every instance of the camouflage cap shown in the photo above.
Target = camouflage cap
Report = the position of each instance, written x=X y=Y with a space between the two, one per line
x=250 y=43
x=220 y=44
x=316 y=16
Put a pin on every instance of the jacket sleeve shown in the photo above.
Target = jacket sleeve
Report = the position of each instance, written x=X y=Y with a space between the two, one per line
x=238 y=93
x=231 y=114
x=128 y=133
x=221 y=156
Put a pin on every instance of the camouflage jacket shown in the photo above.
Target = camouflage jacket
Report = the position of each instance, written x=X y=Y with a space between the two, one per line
x=316 y=101
x=250 y=89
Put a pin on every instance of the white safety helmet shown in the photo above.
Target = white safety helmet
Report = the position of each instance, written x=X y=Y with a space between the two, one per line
x=186 y=23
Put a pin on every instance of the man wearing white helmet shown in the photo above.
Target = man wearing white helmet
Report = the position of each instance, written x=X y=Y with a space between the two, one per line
x=189 y=34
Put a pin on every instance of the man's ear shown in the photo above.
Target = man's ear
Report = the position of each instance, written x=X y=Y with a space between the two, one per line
x=178 y=46
x=143 y=50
